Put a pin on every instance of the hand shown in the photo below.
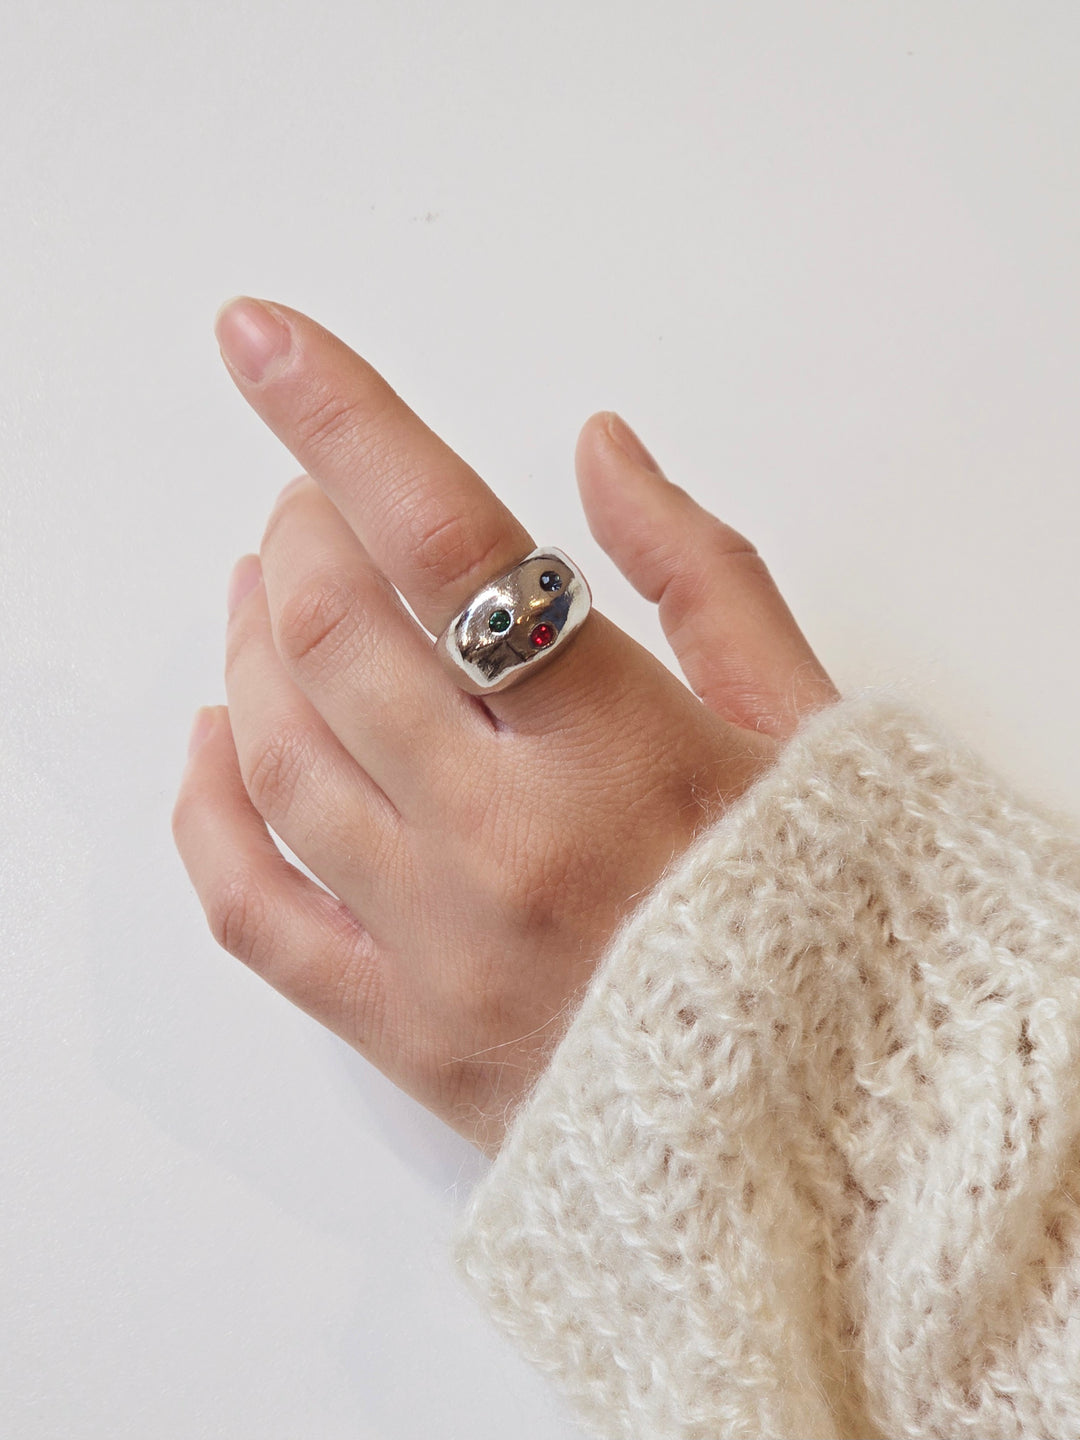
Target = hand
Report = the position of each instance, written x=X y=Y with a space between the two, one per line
x=477 y=853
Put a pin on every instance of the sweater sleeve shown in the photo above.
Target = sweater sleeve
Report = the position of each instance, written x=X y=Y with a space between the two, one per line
x=806 y=1160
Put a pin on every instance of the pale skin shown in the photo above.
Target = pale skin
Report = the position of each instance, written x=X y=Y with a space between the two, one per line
x=477 y=853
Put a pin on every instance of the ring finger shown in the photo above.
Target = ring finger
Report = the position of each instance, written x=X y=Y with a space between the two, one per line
x=359 y=656
x=328 y=811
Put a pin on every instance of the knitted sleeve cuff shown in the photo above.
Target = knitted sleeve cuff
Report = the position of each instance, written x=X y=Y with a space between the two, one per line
x=805 y=1162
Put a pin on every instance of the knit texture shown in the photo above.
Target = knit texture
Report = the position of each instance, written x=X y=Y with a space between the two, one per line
x=806 y=1161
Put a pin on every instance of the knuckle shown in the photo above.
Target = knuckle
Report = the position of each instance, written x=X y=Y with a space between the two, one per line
x=682 y=593
x=327 y=422
x=540 y=896
x=535 y=887
x=748 y=570
x=237 y=915
x=721 y=536
x=754 y=565
x=273 y=774
x=315 y=622
x=691 y=577
x=451 y=549
x=440 y=549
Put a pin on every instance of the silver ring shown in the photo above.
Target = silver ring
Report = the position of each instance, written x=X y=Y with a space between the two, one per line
x=515 y=623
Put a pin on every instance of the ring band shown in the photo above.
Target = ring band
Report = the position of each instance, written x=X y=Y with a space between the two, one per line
x=516 y=622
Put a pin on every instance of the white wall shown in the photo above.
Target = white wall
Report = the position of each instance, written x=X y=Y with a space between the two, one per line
x=823 y=257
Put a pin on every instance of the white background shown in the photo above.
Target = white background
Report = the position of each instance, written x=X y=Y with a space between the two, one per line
x=823 y=256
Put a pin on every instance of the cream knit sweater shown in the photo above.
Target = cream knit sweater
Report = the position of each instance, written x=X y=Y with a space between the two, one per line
x=806 y=1161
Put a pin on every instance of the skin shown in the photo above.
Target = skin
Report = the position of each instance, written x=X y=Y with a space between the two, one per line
x=477 y=853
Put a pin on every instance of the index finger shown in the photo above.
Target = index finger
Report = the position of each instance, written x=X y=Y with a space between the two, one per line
x=428 y=521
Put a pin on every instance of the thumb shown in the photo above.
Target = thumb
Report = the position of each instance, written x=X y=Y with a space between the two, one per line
x=732 y=632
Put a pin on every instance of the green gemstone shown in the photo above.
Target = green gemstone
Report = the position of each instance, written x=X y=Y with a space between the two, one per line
x=499 y=620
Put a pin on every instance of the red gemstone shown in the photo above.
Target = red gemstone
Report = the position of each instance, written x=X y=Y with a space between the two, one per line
x=542 y=634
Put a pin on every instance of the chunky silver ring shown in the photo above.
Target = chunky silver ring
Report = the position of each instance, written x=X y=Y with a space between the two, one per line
x=516 y=622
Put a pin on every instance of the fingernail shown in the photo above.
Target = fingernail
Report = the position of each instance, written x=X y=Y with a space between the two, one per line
x=252 y=337
x=244 y=578
x=203 y=724
x=629 y=444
